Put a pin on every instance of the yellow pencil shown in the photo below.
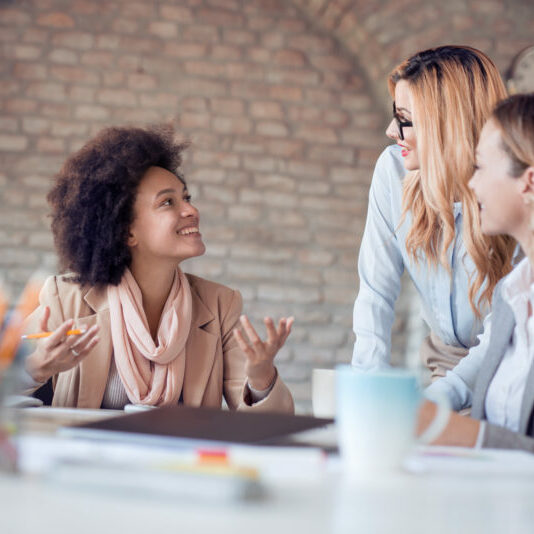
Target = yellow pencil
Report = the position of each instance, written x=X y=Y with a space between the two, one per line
x=46 y=334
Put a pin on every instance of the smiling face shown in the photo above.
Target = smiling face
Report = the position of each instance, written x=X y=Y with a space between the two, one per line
x=166 y=224
x=404 y=108
x=501 y=196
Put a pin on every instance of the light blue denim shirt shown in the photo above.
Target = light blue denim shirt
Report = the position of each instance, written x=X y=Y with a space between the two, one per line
x=383 y=258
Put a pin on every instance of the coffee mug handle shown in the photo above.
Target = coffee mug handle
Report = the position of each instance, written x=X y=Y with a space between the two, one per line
x=438 y=424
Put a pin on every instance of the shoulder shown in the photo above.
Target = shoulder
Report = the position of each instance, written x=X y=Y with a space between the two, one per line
x=61 y=290
x=212 y=293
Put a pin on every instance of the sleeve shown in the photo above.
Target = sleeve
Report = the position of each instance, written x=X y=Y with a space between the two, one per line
x=380 y=267
x=49 y=296
x=236 y=391
x=496 y=437
x=459 y=383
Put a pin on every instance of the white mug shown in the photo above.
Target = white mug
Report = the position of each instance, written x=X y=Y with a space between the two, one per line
x=376 y=414
x=324 y=392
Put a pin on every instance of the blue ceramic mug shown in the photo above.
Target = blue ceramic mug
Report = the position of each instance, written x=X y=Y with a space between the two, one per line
x=376 y=413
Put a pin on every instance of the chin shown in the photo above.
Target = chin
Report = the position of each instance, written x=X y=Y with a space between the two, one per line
x=411 y=165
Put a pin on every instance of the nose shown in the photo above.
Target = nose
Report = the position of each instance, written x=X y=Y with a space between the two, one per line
x=392 y=131
x=188 y=210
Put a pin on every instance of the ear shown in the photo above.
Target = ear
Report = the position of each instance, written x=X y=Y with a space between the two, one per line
x=527 y=184
x=132 y=240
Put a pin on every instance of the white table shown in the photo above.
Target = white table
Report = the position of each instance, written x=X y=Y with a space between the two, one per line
x=327 y=503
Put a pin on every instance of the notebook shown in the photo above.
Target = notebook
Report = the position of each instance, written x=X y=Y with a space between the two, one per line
x=187 y=425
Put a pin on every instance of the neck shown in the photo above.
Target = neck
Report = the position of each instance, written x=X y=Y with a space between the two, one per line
x=525 y=238
x=155 y=281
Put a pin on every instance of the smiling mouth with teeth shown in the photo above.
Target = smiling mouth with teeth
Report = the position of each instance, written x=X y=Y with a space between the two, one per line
x=188 y=231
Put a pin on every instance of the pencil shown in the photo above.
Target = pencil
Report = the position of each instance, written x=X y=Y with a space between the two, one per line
x=46 y=334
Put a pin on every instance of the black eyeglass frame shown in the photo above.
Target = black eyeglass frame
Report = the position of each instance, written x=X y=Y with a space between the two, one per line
x=401 y=124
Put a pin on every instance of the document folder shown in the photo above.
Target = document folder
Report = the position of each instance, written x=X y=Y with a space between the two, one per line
x=204 y=425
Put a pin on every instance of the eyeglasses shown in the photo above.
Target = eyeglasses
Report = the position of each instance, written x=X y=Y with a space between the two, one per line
x=400 y=123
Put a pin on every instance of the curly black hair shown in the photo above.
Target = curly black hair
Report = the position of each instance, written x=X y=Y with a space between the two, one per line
x=93 y=197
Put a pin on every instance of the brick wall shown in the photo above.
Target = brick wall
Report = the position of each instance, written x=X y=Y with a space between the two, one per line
x=285 y=117
x=382 y=33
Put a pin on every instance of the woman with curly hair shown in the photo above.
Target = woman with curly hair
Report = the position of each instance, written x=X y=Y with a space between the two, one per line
x=123 y=222
x=422 y=215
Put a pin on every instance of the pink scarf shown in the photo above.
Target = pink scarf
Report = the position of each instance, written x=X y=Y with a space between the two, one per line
x=150 y=374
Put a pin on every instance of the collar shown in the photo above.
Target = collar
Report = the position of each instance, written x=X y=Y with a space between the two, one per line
x=518 y=282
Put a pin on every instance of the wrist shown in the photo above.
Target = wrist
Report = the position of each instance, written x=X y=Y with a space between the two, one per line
x=262 y=380
x=35 y=370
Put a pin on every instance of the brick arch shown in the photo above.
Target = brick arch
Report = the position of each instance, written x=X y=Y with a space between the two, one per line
x=382 y=33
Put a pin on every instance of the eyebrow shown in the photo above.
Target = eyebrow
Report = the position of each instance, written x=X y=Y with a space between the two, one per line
x=165 y=191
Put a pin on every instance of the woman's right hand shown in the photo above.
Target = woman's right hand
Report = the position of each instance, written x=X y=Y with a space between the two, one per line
x=59 y=352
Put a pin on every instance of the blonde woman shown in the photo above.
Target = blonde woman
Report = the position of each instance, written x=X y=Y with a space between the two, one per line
x=423 y=217
x=501 y=389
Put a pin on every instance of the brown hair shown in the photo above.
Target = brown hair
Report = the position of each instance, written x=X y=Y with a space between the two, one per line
x=454 y=90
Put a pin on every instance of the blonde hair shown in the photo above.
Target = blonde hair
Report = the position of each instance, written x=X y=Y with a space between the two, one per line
x=454 y=89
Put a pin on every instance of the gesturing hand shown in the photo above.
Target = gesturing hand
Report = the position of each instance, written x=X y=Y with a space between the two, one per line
x=59 y=352
x=260 y=354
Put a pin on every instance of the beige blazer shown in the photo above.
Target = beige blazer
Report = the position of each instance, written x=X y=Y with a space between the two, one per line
x=214 y=363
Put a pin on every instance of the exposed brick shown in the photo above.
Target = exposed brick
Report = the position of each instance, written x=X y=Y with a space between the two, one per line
x=231 y=125
x=82 y=94
x=290 y=58
x=164 y=30
x=185 y=50
x=274 y=181
x=287 y=148
x=35 y=35
x=239 y=37
x=76 y=40
x=266 y=110
x=176 y=13
x=221 y=17
x=117 y=97
x=226 y=52
x=259 y=55
x=48 y=144
x=280 y=92
x=271 y=292
x=317 y=134
x=26 y=52
x=128 y=26
x=47 y=91
x=142 y=82
x=272 y=129
x=108 y=42
x=61 y=55
x=19 y=105
x=15 y=17
x=8 y=124
x=227 y=106
x=56 y=20
x=30 y=71
x=98 y=58
x=91 y=112
x=194 y=120
x=13 y=143
x=35 y=125
x=67 y=129
x=74 y=75
x=160 y=100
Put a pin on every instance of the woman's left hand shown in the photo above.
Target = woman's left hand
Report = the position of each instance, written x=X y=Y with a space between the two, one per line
x=259 y=365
